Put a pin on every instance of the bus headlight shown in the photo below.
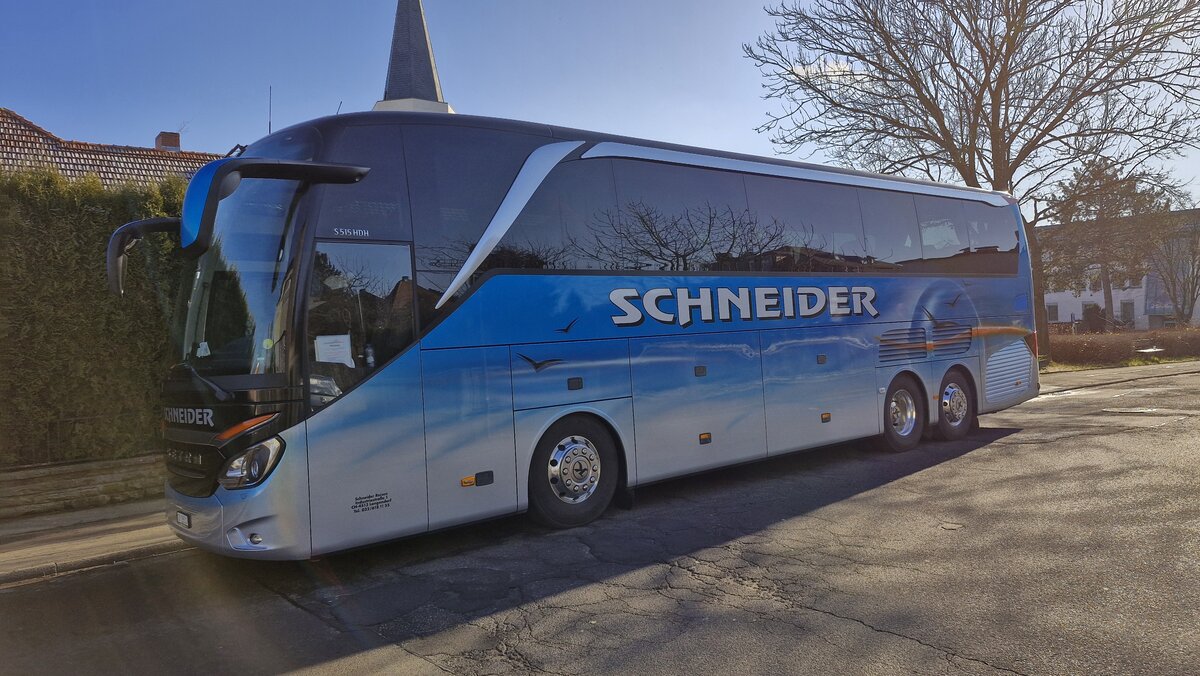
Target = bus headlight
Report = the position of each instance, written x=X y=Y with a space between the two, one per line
x=251 y=466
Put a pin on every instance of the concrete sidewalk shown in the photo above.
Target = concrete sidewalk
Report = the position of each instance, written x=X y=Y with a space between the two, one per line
x=45 y=546
x=53 y=544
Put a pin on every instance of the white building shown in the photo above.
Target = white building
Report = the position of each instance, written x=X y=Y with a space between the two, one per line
x=1064 y=307
x=1142 y=304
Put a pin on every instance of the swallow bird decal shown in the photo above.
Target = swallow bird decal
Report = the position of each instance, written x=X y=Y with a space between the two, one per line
x=567 y=328
x=937 y=323
x=539 y=366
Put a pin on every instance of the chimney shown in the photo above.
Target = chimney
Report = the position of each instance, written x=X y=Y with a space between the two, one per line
x=167 y=140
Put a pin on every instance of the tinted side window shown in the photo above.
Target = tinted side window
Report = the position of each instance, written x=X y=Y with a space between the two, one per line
x=457 y=178
x=993 y=235
x=360 y=313
x=374 y=207
x=575 y=199
x=943 y=229
x=676 y=218
x=822 y=228
x=890 y=221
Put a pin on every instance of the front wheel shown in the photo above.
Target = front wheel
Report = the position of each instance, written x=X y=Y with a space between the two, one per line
x=903 y=415
x=957 y=416
x=574 y=473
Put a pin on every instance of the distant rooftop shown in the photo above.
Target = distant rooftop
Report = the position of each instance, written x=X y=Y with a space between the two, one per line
x=24 y=145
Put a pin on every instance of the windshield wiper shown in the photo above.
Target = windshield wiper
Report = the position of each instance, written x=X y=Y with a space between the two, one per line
x=219 y=392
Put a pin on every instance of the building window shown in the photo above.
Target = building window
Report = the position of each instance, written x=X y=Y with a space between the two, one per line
x=1052 y=312
x=1127 y=311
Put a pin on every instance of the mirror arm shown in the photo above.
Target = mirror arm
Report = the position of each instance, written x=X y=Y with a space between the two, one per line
x=124 y=239
x=311 y=172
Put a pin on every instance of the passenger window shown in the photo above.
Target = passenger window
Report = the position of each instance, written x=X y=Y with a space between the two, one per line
x=458 y=177
x=360 y=313
x=943 y=230
x=890 y=222
x=562 y=213
x=820 y=224
x=674 y=218
x=994 y=239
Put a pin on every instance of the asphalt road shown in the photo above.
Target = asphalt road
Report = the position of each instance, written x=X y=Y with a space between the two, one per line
x=1063 y=538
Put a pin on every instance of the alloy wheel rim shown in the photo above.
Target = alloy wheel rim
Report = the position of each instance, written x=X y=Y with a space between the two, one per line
x=574 y=469
x=903 y=413
x=954 y=404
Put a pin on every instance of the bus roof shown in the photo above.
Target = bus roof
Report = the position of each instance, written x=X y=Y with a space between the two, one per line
x=674 y=153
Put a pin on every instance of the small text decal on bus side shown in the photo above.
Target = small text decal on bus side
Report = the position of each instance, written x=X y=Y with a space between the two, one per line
x=682 y=306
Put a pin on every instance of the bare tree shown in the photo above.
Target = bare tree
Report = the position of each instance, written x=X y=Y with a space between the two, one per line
x=1175 y=256
x=1003 y=94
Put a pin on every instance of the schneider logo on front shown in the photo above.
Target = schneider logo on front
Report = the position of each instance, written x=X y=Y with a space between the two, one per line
x=681 y=306
x=189 y=416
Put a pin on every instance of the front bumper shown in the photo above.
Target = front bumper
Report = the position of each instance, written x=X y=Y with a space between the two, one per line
x=229 y=523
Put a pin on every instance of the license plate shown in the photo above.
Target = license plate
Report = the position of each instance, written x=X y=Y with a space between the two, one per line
x=183 y=519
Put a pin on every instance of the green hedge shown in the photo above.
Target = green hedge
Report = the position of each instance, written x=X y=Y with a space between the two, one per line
x=80 y=370
x=1115 y=348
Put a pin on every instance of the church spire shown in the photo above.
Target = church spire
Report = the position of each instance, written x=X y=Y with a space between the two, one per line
x=412 y=79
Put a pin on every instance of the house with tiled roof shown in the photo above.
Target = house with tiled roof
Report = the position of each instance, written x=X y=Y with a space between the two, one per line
x=24 y=145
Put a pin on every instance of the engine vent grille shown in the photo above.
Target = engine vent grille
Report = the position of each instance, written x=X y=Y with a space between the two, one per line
x=951 y=338
x=1009 y=372
x=902 y=345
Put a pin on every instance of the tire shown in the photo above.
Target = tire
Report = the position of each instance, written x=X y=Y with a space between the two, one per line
x=579 y=485
x=956 y=416
x=904 y=415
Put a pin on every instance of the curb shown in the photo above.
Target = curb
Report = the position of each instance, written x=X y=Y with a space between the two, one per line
x=1052 y=389
x=47 y=571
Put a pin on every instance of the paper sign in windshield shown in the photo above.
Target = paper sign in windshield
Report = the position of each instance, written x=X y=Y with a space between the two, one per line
x=334 y=349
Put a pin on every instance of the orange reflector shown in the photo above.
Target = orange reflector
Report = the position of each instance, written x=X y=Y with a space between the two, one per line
x=467 y=481
x=826 y=417
x=706 y=438
x=244 y=426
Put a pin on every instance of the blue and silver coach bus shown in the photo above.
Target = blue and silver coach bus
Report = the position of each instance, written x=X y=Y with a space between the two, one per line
x=393 y=323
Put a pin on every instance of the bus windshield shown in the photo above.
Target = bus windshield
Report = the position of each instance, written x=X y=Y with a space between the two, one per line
x=239 y=306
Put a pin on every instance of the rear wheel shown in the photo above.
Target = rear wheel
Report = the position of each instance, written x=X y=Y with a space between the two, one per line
x=956 y=415
x=574 y=473
x=903 y=415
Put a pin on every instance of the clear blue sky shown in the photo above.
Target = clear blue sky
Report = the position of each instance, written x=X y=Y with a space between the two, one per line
x=119 y=72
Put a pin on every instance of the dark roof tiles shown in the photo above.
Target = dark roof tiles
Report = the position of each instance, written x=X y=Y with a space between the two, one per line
x=24 y=145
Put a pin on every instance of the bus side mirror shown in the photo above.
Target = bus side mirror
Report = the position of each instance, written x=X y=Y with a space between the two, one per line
x=219 y=179
x=212 y=183
x=123 y=240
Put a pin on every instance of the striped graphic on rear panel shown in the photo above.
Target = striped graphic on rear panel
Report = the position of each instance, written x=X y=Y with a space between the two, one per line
x=951 y=338
x=902 y=345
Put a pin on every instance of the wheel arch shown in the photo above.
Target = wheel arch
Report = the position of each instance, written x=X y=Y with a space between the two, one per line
x=920 y=386
x=972 y=382
x=533 y=425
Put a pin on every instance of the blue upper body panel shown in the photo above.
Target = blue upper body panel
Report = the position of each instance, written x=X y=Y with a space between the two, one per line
x=510 y=309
